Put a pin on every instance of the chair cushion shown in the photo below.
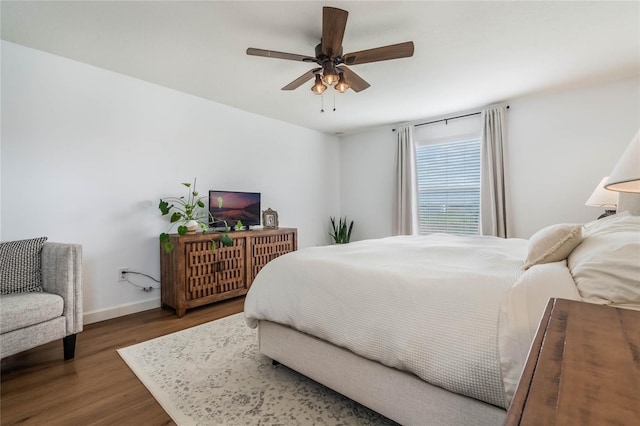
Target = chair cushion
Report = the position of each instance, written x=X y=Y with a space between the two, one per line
x=20 y=310
x=20 y=266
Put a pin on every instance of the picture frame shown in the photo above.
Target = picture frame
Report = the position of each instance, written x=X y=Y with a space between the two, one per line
x=269 y=219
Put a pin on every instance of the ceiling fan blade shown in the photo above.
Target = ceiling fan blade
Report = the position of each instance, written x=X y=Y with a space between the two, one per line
x=356 y=82
x=301 y=80
x=334 y=22
x=279 y=55
x=385 y=53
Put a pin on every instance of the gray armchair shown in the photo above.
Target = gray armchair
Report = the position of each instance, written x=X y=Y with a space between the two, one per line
x=32 y=319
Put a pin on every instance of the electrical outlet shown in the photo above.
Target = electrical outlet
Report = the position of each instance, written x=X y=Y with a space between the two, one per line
x=122 y=274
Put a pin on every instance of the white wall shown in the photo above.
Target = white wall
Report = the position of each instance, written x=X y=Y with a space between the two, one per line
x=559 y=147
x=366 y=182
x=87 y=153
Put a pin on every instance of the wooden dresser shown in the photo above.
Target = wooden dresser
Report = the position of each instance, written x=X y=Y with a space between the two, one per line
x=194 y=275
x=583 y=368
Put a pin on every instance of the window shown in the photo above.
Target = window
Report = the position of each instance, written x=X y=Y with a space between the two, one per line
x=449 y=187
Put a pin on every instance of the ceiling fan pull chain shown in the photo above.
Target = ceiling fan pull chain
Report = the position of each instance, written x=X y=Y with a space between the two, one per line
x=321 y=103
x=334 y=102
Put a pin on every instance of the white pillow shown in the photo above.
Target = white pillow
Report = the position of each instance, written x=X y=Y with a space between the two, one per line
x=596 y=225
x=606 y=266
x=552 y=244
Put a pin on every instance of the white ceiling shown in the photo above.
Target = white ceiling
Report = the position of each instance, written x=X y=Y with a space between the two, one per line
x=467 y=54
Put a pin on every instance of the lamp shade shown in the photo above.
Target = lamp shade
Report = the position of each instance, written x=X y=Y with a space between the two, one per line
x=329 y=73
x=318 y=88
x=625 y=176
x=342 y=85
x=603 y=197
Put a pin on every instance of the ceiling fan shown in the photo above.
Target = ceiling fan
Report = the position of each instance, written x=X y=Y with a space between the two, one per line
x=332 y=62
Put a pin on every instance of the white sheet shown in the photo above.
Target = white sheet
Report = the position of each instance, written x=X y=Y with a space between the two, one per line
x=521 y=313
x=429 y=305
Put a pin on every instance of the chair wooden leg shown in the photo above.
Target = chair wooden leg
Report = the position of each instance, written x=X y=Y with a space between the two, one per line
x=69 y=344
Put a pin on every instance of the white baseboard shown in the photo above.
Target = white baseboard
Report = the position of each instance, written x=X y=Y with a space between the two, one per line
x=118 y=311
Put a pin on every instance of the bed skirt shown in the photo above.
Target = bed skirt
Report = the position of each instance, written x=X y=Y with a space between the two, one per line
x=398 y=395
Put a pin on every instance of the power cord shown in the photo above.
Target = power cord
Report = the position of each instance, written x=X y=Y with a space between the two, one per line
x=143 y=288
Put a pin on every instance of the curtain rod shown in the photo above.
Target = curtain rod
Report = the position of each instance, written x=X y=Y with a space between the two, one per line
x=447 y=119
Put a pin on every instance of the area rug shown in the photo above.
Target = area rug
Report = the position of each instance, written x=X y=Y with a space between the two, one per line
x=213 y=374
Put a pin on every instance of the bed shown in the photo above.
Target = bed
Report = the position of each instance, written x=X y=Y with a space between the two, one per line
x=434 y=329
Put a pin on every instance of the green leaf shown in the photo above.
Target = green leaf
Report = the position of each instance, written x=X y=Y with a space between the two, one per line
x=164 y=207
x=213 y=245
x=239 y=225
x=176 y=217
x=200 y=204
x=182 y=230
x=195 y=193
x=188 y=185
x=226 y=240
x=341 y=232
x=164 y=237
x=168 y=247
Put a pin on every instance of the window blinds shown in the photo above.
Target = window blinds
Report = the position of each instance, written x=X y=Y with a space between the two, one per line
x=449 y=187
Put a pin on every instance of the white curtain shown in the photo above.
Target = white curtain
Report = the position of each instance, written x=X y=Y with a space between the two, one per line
x=405 y=208
x=493 y=209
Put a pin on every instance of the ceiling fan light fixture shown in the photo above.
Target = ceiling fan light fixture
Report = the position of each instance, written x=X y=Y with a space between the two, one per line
x=329 y=73
x=342 y=85
x=318 y=88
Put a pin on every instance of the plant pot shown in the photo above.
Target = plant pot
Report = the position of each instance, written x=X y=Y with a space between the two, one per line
x=192 y=227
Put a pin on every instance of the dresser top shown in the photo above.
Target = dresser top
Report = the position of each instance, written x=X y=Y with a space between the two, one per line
x=583 y=368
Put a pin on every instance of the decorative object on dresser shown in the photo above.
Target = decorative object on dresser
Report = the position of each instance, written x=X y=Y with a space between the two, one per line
x=582 y=368
x=234 y=209
x=341 y=233
x=603 y=198
x=270 y=219
x=193 y=275
x=190 y=214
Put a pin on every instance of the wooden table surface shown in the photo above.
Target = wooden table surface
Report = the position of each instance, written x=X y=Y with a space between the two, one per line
x=583 y=368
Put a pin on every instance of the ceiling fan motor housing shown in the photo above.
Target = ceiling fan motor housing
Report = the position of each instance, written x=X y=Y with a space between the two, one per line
x=321 y=58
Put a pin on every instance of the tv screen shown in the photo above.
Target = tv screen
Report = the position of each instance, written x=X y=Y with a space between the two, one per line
x=232 y=206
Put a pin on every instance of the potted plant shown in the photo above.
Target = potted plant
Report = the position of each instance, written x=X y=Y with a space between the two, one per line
x=341 y=233
x=189 y=214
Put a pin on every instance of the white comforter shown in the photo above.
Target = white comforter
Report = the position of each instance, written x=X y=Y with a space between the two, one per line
x=438 y=306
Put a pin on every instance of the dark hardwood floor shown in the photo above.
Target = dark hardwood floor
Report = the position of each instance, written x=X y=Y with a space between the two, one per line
x=96 y=388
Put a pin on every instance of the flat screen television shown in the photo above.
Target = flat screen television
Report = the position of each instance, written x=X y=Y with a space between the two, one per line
x=232 y=206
